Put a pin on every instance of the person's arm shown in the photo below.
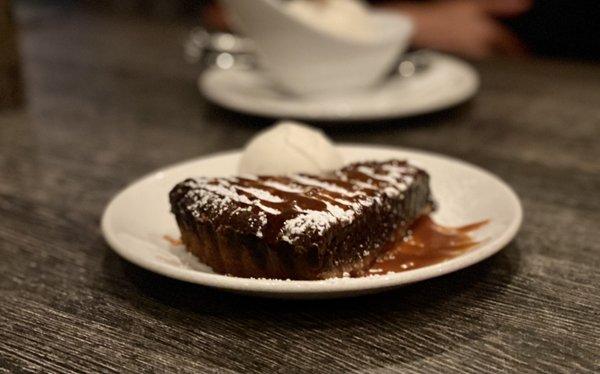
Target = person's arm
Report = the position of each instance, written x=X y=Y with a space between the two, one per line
x=467 y=27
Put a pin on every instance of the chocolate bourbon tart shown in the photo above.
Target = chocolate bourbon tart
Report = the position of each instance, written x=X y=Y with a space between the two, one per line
x=300 y=226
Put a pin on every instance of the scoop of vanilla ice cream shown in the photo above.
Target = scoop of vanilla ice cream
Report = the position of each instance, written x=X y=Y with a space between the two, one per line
x=288 y=148
x=345 y=18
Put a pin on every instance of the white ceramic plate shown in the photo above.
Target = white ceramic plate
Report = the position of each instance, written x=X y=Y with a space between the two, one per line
x=136 y=220
x=447 y=82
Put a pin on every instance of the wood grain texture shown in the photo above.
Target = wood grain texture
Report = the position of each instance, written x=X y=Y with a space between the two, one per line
x=110 y=99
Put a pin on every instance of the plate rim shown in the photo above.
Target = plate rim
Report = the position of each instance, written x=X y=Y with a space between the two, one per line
x=282 y=288
x=331 y=117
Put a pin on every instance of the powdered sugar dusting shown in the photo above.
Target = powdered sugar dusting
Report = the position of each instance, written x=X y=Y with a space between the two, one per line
x=315 y=220
x=370 y=184
x=396 y=177
x=343 y=215
x=356 y=205
x=261 y=194
x=283 y=187
x=366 y=185
x=308 y=181
x=219 y=195
x=267 y=209
x=227 y=191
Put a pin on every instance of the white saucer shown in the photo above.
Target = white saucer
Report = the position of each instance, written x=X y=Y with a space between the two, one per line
x=447 y=82
x=136 y=220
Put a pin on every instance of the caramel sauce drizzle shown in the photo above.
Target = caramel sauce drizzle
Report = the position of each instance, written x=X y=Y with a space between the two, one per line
x=173 y=241
x=427 y=243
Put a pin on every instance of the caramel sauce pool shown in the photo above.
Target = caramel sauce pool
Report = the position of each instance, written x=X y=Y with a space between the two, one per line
x=427 y=243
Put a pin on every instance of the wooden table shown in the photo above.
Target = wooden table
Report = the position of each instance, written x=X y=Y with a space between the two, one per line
x=110 y=99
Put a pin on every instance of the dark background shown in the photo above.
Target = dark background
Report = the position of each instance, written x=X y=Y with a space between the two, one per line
x=560 y=28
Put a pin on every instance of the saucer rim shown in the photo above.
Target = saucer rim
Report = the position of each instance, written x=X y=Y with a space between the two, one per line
x=274 y=110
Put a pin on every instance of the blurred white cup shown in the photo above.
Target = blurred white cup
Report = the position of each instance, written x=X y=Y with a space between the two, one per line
x=306 y=60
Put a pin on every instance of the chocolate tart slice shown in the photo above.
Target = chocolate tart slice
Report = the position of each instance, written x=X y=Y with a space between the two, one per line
x=300 y=226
